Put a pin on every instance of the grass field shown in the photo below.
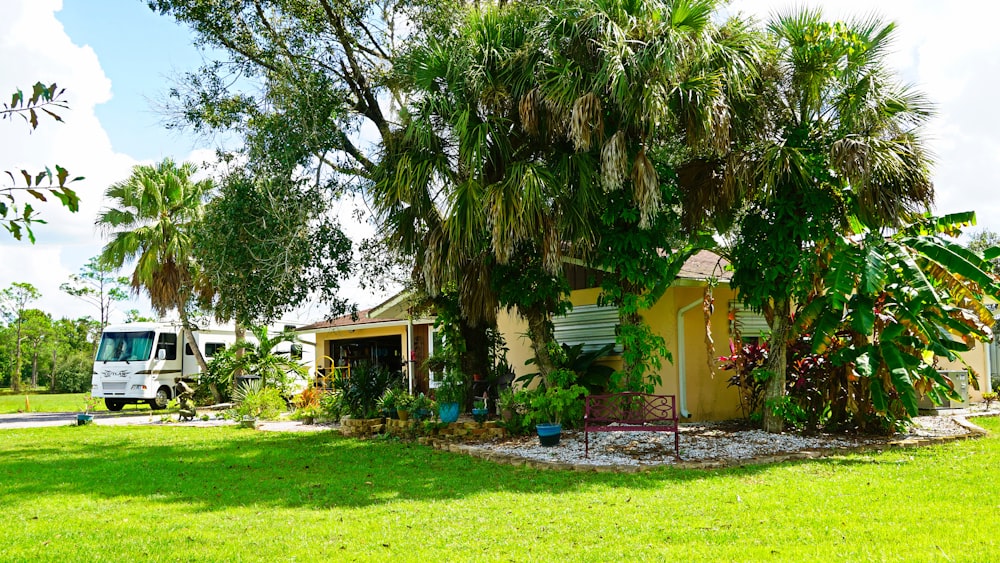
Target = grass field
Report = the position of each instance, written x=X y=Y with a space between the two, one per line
x=223 y=494
x=44 y=402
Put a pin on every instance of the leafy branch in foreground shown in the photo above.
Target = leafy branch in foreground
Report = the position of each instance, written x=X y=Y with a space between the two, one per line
x=17 y=218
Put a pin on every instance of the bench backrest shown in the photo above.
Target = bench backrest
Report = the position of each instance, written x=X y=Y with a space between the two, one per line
x=629 y=408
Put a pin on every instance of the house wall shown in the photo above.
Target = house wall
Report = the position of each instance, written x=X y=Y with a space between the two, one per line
x=708 y=397
x=976 y=359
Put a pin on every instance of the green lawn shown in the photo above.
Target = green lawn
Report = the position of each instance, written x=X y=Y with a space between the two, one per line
x=65 y=402
x=223 y=494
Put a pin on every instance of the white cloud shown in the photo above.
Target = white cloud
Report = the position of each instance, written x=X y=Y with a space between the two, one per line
x=955 y=60
x=36 y=48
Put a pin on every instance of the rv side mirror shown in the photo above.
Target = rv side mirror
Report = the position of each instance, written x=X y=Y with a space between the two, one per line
x=161 y=354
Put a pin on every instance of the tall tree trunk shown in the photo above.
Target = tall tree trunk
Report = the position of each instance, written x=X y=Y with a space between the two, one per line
x=15 y=378
x=540 y=333
x=189 y=336
x=777 y=355
x=52 y=374
x=34 y=368
x=631 y=363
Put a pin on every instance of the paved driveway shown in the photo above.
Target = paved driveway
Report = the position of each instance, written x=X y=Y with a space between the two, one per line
x=39 y=419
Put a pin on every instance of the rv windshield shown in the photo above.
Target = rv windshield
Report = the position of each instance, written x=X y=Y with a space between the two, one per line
x=125 y=346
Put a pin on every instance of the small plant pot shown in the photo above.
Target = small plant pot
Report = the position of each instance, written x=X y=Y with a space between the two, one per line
x=84 y=419
x=248 y=422
x=309 y=420
x=448 y=412
x=403 y=414
x=479 y=415
x=549 y=434
x=422 y=414
x=507 y=415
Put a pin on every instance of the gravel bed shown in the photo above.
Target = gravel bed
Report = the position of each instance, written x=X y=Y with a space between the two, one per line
x=699 y=442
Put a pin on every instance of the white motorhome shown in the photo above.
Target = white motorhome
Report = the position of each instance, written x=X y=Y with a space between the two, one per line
x=141 y=362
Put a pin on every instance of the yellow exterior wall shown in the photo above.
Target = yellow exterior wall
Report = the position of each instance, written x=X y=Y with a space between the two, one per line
x=515 y=332
x=349 y=334
x=708 y=397
x=977 y=360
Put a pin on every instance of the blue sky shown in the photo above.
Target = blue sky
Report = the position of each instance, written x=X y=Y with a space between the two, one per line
x=118 y=59
x=142 y=53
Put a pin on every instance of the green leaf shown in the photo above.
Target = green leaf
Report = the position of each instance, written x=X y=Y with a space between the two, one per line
x=873 y=274
x=899 y=374
x=862 y=315
x=954 y=258
x=879 y=400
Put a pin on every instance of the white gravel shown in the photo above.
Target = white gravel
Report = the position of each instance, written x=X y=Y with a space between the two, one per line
x=698 y=442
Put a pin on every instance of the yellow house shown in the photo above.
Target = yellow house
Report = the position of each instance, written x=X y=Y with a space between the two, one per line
x=385 y=334
x=680 y=318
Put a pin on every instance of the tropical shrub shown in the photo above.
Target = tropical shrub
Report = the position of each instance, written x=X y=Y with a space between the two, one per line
x=74 y=374
x=361 y=391
x=256 y=400
x=452 y=388
x=887 y=305
x=309 y=397
x=747 y=362
x=331 y=405
x=562 y=405
x=595 y=377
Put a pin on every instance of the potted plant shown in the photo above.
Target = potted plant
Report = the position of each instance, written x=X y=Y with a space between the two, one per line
x=507 y=403
x=421 y=407
x=387 y=403
x=308 y=414
x=449 y=394
x=404 y=405
x=89 y=403
x=549 y=406
x=479 y=411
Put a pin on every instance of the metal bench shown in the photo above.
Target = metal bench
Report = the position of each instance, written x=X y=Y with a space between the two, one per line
x=630 y=412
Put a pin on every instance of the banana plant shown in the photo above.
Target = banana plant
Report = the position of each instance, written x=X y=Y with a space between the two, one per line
x=894 y=302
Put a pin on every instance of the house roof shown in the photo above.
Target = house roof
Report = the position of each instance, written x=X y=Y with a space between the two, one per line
x=344 y=321
x=702 y=266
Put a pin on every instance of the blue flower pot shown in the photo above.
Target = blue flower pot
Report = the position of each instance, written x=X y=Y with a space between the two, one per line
x=549 y=434
x=83 y=419
x=448 y=412
x=479 y=415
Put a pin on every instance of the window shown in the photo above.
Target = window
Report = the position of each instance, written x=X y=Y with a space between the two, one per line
x=751 y=326
x=167 y=342
x=125 y=346
x=590 y=325
x=213 y=348
x=187 y=350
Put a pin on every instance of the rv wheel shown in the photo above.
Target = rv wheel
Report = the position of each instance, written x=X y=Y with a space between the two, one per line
x=161 y=400
x=114 y=404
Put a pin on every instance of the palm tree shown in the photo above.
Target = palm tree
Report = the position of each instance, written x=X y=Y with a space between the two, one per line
x=526 y=118
x=261 y=359
x=837 y=150
x=150 y=221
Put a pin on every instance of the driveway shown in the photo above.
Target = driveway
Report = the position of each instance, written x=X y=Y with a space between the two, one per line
x=39 y=419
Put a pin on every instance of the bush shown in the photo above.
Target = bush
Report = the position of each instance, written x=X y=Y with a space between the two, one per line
x=361 y=391
x=74 y=374
x=331 y=406
x=258 y=401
